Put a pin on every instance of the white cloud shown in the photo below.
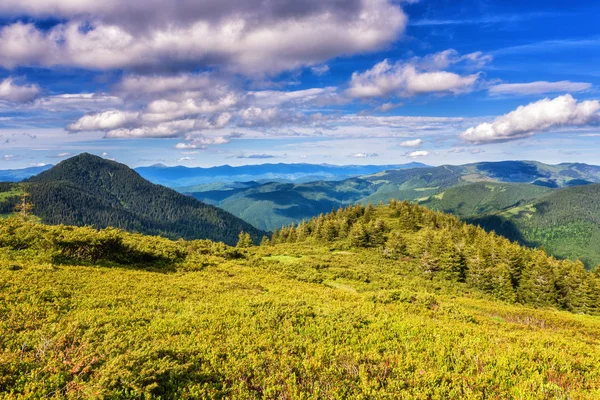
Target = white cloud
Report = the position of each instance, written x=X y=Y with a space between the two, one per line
x=385 y=107
x=257 y=156
x=242 y=36
x=540 y=87
x=446 y=58
x=12 y=92
x=320 y=70
x=202 y=142
x=407 y=79
x=411 y=143
x=185 y=159
x=364 y=155
x=104 y=121
x=60 y=155
x=418 y=153
x=535 y=117
x=77 y=101
x=160 y=84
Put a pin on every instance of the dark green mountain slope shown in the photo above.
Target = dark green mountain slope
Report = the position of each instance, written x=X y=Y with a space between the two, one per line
x=566 y=222
x=89 y=190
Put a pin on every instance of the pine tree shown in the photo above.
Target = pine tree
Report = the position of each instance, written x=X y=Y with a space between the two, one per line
x=24 y=207
x=265 y=241
x=358 y=235
x=244 y=240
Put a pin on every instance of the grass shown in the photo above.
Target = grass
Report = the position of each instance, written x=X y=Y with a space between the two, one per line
x=255 y=329
x=304 y=320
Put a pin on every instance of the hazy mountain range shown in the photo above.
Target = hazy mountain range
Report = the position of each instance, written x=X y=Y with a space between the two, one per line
x=180 y=176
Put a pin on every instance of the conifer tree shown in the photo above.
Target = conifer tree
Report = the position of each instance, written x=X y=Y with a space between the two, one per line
x=244 y=240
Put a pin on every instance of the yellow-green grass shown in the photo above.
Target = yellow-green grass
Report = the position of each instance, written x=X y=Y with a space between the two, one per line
x=256 y=329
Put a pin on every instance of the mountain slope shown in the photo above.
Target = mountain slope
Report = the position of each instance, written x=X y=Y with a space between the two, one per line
x=566 y=222
x=481 y=198
x=271 y=205
x=185 y=178
x=89 y=190
x=385 y=302
x=469 y=191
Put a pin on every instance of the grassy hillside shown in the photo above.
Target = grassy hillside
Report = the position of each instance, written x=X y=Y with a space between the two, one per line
x=565 y=222
x=89 y=190
x=378 y=312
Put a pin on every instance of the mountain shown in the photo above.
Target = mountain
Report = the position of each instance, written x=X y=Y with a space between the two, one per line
x=473 y=191
x=89 y=190
x=271 y=205
x=184 y=178
x=565 y=222
x=481 y=198
x=384 y=302
x=17 y=175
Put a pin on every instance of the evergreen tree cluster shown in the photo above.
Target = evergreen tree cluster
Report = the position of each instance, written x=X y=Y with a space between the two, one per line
x=444 y=247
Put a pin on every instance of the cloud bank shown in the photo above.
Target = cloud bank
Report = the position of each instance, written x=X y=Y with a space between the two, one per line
x=248 y=37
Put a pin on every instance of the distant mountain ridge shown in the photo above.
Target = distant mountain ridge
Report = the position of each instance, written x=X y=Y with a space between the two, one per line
x=181 y=177
x=271 y=205
x=90 y=190
x=17 y=175
x=475 y=192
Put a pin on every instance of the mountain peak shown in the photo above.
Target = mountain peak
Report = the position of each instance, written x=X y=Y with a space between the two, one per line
x=90 y=190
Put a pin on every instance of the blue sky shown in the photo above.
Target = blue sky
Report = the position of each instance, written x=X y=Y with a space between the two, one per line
x=203 y=83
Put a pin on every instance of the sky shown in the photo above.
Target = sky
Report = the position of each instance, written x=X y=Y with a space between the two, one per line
x=213 y=82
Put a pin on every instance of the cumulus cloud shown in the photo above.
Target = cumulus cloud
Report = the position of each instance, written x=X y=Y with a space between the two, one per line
x=536 y=117
x=418 y=153
x=411 y=143
x=12 y=92
x=250 y=37
x=540 y=87
x=409 y=79
x=106 y=120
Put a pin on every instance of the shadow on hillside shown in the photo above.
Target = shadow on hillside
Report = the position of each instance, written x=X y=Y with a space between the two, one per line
x=503 y=227
x=121 y=256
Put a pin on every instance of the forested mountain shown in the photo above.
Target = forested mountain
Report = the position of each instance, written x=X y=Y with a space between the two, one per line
x=185 y=178
x=271 y=205
x=89 y=190
x=565 y=222
x=470 y=191
x=388 y=302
